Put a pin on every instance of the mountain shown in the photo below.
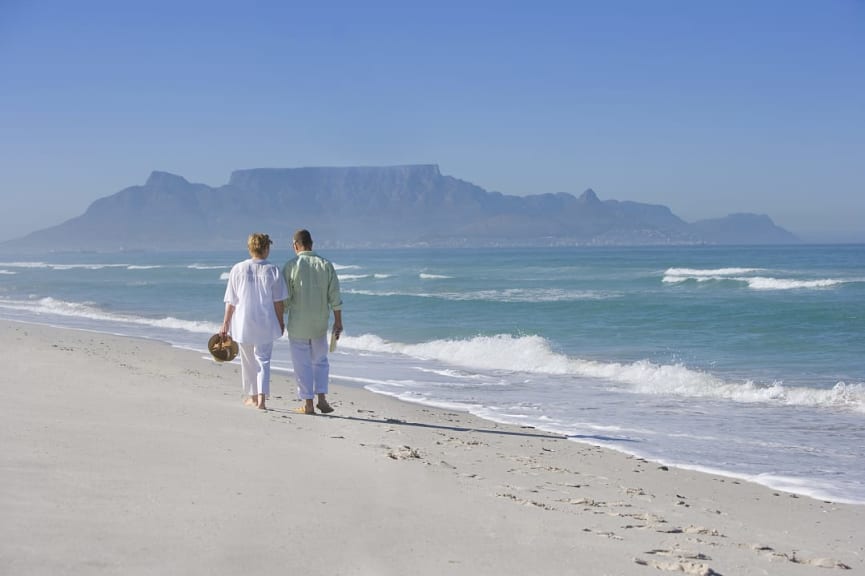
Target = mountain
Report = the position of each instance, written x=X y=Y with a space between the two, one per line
x=373 y=207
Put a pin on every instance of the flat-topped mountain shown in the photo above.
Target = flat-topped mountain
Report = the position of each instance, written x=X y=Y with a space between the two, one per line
x=373 y=207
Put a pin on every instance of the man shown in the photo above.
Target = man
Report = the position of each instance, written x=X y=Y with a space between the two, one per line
x=313 y=291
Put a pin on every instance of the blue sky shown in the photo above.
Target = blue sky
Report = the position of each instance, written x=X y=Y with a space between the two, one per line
x=708 y=107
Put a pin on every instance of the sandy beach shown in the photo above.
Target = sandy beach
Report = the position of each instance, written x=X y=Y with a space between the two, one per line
x=124 y=456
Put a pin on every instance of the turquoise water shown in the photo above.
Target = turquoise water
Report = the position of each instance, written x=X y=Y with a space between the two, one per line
x=747 y=361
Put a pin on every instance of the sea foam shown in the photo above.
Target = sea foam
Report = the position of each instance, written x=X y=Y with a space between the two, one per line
x=533 y=354
x=52 y=306
x=505 y=295
x=49 y=266
x=741 y=275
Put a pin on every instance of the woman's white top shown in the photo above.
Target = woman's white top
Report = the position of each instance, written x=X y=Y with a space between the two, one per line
x=253 y=286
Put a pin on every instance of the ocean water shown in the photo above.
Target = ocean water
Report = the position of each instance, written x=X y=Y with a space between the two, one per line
x=743 y=361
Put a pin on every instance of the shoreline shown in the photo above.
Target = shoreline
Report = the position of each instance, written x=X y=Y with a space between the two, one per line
x=128 y=456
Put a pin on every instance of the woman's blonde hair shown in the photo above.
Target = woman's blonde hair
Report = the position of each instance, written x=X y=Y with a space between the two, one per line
x=258 y=244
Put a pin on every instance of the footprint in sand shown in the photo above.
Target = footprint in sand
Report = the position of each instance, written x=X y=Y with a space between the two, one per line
x=404 y=453
x=795 y=559
x=687 y=563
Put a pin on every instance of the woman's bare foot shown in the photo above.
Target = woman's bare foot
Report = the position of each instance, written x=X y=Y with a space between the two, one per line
x=250 y=401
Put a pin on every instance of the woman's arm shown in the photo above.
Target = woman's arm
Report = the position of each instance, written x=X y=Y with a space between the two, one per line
x=226 y=323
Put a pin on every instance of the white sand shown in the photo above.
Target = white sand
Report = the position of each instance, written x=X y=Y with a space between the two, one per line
x=122 y=456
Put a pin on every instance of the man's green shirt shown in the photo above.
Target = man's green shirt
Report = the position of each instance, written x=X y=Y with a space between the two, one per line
x=313 y=291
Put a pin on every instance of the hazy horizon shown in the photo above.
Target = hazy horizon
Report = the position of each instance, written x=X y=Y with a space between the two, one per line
x=707 y=108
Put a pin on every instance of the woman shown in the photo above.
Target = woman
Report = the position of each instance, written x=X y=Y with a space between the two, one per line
x=254 y=316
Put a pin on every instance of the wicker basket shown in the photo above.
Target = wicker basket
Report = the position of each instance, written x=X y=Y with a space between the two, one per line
x=222 y=348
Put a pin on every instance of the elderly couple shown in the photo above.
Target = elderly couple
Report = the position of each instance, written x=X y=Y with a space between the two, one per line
x=257 y=297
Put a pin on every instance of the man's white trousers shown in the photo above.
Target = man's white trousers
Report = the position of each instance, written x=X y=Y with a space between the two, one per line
x=311 y=368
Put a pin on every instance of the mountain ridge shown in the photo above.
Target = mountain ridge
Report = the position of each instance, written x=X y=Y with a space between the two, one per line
x=375 y=206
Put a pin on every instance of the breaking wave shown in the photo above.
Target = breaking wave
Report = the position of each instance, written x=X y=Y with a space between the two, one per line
x=741 y=275
x=533 y=354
